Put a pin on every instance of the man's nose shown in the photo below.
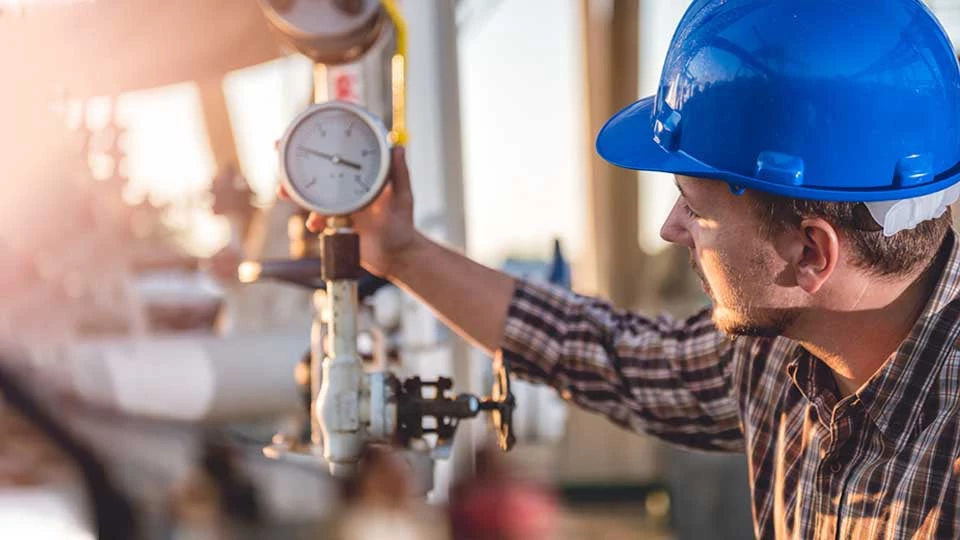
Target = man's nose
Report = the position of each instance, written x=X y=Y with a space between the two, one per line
x=674 y=229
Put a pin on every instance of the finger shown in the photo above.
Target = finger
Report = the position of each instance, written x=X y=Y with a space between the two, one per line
x=316 y=222
x=399 y=174
x=282 y=193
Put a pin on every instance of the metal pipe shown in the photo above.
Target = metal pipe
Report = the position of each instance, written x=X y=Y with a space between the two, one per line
x=192 y=378
x=350 y=7
x=343 y=386
x=338 y=402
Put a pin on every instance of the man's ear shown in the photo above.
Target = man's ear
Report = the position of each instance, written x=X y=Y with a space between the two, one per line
x=818 y=256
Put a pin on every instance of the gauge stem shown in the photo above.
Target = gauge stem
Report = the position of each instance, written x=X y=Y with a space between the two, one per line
x=339 y=222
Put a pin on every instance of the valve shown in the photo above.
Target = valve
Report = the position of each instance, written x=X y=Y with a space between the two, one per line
x=447 y=410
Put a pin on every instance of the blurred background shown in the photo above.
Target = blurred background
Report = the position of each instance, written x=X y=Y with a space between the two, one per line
x=138 y=169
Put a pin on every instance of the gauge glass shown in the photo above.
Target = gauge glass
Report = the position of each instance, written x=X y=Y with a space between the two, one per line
x=334 y=158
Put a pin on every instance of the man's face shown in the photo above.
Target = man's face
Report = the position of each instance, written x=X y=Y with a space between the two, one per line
x=740 y=270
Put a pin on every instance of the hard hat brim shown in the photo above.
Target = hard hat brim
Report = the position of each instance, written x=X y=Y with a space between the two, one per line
x=626 y=140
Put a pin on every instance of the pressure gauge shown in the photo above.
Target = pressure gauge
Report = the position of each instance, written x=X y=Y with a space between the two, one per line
x=334 y=158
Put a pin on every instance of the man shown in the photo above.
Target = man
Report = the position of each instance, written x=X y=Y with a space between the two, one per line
x=816 y=146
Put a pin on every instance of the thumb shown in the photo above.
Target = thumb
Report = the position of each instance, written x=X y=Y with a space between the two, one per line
x=399 y=174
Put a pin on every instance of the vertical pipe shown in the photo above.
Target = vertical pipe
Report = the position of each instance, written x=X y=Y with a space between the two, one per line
x=338 y=402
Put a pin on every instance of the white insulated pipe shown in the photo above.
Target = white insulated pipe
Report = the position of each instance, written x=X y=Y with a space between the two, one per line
x=187 y=377
x=338 y=405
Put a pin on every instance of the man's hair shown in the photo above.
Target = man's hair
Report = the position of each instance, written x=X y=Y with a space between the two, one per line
x=889 y=256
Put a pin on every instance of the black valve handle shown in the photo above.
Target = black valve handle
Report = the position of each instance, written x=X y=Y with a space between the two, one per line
x=306 y=272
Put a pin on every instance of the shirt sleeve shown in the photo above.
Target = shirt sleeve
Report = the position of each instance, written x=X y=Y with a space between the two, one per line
x=672 y=379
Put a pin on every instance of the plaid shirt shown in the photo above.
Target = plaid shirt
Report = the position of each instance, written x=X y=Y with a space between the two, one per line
x=882 y=463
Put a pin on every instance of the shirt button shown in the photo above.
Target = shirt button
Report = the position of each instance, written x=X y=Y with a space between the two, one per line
x=836 y=467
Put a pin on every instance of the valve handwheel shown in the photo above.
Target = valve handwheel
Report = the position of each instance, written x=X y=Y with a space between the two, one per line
x=501 y=404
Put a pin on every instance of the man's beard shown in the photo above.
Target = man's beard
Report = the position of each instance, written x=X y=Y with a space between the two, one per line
x=769 y=324
x=775 y=325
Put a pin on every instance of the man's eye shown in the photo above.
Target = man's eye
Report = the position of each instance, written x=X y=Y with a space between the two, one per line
x=690 y=211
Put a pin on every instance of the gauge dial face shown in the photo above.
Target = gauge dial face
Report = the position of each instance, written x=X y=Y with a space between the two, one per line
x=335 y=158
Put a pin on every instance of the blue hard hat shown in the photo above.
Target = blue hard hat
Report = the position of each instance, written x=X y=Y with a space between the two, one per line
x=839 y=100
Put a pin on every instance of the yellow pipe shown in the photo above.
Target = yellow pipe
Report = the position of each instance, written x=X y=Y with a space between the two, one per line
x=398 y=72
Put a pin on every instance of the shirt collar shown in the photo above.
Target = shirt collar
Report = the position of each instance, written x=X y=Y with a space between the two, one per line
x=896 y=395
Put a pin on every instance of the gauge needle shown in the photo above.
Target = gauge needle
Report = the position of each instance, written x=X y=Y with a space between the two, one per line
x=334 y=158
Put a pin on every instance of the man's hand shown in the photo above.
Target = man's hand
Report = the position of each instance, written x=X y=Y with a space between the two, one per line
x=386 y=229
x=471 y=298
